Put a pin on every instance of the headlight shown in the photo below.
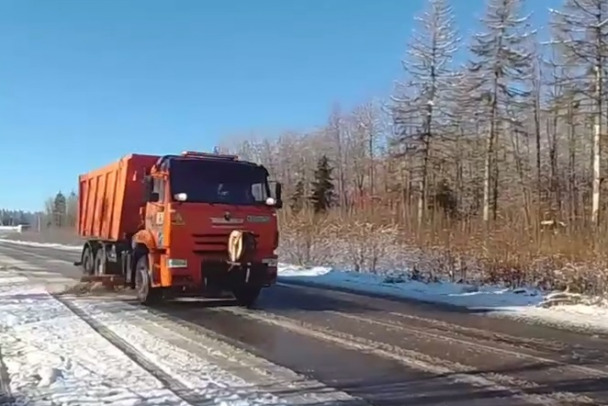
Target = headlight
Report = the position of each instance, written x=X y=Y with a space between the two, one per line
x=177 y=263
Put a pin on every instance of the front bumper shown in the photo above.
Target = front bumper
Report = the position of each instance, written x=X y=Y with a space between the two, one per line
x=226 y=274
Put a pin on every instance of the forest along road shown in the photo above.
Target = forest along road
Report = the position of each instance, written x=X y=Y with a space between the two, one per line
x=388 y=352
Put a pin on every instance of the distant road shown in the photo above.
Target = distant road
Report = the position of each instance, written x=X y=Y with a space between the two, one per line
x=10 y=229
x=388 y=352
x=56 y=236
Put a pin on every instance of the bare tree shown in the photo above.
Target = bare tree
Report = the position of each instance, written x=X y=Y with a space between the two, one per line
x=428 y=66
x=581 y=29
x=336 y=132
x=501 y=62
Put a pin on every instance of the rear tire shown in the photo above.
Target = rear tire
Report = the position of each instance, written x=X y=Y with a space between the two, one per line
x=88 y=261
x=247 y=295
x=99 y=264
x=146 y=294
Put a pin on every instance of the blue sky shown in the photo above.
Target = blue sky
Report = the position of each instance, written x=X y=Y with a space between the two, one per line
x=83 y=83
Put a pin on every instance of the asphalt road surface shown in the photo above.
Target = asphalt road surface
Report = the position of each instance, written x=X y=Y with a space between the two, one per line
x=389 y=352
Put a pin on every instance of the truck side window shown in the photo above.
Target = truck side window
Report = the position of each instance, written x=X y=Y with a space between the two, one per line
x=259 y=192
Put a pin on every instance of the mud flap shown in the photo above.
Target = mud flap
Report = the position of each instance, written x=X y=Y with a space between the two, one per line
x=126 y=263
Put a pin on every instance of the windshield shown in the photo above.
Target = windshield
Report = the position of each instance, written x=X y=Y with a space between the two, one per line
x=219 y=182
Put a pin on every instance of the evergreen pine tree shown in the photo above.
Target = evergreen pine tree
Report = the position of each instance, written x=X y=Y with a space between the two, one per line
x=59 y=210
x=322 y=196
x=445 y=198
x=297 y=198
x=71 y=209
x=23 y=220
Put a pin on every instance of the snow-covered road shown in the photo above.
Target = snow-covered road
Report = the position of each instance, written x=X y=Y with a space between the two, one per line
x=52 y=355
x=78 y=351
x=590 y=315
x=380 y=349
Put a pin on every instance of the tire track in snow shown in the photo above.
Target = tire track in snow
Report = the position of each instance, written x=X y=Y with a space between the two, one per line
x=478 y=334
x=579 y=369
x=175 y=386
x=54 y=356
x=287 y=385
x=420 y=361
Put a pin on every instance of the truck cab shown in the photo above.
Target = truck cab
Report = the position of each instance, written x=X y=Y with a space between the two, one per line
x=211 y=222
x=207 y=226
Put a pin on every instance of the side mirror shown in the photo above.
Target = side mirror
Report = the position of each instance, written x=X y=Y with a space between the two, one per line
x=276 y=191
x=150 y=195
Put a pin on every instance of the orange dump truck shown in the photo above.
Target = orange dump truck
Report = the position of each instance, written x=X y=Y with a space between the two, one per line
x=194 y=224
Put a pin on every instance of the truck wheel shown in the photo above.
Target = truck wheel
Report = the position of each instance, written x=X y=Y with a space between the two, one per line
x=146 y=294
x=246 y=295
x=87 y=261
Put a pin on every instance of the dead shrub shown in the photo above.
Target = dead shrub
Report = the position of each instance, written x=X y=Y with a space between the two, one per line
x=508 y=254
x=89 y=288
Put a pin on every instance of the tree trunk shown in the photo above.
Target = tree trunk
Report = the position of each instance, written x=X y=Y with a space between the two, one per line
x=490 y=153
x=597 y=130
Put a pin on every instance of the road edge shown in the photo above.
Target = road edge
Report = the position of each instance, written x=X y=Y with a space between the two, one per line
x=454 y=308
x=6 y=395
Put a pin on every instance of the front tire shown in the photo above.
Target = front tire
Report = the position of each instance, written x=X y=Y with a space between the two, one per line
x=247 y=295
x=146 y=294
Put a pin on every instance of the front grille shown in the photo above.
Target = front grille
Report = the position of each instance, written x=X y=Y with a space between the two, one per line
x=212 y=243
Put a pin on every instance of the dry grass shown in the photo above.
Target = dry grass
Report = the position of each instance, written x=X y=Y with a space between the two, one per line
x=509 y=253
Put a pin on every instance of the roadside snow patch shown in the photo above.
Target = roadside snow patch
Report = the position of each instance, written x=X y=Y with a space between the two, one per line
x=440 y=292
x=583 y=317
x=42 y=244
x=296 y=271
x=53 y=357
x=518 y=303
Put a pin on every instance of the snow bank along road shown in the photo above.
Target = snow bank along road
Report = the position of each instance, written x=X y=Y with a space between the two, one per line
x=300 y=345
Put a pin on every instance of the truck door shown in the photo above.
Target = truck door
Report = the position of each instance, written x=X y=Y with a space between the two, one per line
x=155 y=209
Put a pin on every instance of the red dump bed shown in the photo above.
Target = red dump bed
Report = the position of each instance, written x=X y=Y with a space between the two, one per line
x=109 y=198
